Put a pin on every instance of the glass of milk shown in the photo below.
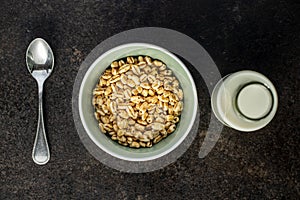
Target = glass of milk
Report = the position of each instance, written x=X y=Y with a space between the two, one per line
x=245 y=100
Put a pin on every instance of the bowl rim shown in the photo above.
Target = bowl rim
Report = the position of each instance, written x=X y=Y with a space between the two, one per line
x=144 y=45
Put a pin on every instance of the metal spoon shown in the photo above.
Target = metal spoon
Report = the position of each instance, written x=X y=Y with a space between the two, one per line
x=40 y=62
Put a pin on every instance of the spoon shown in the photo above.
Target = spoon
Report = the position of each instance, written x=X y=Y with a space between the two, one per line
x=40 y=62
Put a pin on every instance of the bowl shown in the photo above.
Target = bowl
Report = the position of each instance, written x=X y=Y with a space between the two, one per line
x=165 y=146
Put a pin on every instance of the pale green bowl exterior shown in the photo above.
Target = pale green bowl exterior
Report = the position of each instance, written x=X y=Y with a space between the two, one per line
x=86 y=108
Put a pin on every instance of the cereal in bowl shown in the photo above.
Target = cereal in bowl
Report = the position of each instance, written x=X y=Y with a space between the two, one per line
x=138 y=101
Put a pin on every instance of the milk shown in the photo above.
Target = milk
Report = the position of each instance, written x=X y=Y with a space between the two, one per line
x=254 y=101
x=245 y=100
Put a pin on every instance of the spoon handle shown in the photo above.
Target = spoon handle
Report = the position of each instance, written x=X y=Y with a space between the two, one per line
x=40 y=153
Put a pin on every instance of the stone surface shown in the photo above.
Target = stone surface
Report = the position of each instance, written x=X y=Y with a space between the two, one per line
x=257 y=35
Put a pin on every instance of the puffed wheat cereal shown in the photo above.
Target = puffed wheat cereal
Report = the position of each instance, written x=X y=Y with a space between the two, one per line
x=138 y=101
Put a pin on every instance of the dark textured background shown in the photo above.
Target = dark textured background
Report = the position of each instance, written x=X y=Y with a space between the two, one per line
x=259 y=35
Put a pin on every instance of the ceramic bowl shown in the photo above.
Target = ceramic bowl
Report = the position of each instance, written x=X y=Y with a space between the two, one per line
x=86 y=109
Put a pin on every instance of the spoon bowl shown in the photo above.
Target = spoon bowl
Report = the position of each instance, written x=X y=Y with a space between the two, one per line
x=39 y=58
x=40 y=63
